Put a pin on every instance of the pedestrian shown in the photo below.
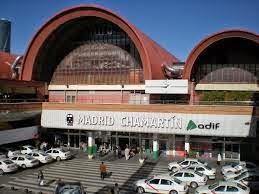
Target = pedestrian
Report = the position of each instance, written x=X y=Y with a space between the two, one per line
x=219 y=159
x=40 y=178
x=186 y=154
x=116 y=189
x=127 y=152
x=103 y=170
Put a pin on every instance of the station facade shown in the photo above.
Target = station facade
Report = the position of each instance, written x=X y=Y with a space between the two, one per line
x=108 y=82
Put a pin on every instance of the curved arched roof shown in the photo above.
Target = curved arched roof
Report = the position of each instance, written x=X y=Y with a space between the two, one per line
x=151 y=54
x=205 y=43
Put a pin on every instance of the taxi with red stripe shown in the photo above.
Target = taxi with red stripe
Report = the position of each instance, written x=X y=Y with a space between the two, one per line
x=161 y=184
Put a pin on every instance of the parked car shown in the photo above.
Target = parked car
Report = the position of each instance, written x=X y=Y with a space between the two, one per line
x=161 y=184
x=231 y=175
x=223 y=187
x=2 y=155
x=207 y=170
x=234 y=167
x=12 y=152
x=59 y=154
x=250 y=179
x=174 y=166
x=69 y=187
x=41 y=156
x=25 y=161
x=191 y=177
x=26 y=149
x=7 y=165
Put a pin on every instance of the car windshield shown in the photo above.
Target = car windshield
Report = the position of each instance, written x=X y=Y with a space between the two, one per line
x=240 y=176
x=180 y=161
x=177 y=181
x=242 y=186
x=234 y=165
x=29 y=157
x=43 y=154
x=198 y=173
x=8 y=161
x=201 y=161
x=213 y=186
x=208 y=167
x=69 y=189
x=31 y=147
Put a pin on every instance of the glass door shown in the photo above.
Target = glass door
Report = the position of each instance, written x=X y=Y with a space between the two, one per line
x=232 y=151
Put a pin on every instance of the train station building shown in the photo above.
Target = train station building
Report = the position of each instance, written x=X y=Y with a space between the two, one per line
x=105 y=81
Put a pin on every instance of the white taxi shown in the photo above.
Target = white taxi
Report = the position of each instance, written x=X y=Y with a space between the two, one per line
x=223 y=188
x=41 y=156
x=7 y=165
x=25 y=161
x=160 y=184
x=207 y=170
x=234 y=167
x=26 y=149
x=59 y=154
x=174 y=166
x=191 y=177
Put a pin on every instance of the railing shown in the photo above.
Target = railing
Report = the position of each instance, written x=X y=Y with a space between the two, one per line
x=20 y=107
x=21 y=100
x=179 y=102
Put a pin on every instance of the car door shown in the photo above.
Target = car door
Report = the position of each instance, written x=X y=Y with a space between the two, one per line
x=200 y=169
x=55 y=153
x=189 y=177
x=219 y=190
x=165 y=186
x=14 y=159
x=36 y=155
x=24 y=150
x=179 y=175
x=232 y=190
x=20 y=160
x=153 y=186
x=50 y=153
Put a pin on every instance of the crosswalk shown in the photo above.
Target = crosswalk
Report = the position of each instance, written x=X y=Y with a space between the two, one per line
x=87 y=172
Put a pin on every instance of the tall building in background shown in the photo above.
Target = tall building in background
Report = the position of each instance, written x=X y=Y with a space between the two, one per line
x=5 y=35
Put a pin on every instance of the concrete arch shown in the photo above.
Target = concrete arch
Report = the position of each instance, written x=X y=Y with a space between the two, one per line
x=205 y=43
x=144 y=45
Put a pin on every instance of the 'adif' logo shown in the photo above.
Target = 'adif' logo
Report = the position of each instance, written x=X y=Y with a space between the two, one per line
x=191 y=125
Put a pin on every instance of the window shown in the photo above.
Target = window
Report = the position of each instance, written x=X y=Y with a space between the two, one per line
x=55 y=151
x=14 y=158
x=20 y=158
x=242 y=186
x=232 y=189
x=193 y=162
x=165 y=182
x=180 y=174
x=35 y=154
x=185 y=163
x=200 y=169
x=154 y=181
x=49 y=151
x=220 y=188
x=186 y=174
x=192 y=168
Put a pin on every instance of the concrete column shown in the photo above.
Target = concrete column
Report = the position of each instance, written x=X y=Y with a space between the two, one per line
x=187 y=143
x=90 y=145
x=173 y=144
x=68 y=139
x=155 y=147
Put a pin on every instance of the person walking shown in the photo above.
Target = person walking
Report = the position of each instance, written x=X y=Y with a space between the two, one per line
x=116 y=189
x=219 y=159
x=40 y=178
x=103 y=170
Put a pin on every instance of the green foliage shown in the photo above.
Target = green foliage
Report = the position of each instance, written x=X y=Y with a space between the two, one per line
x=226 y=96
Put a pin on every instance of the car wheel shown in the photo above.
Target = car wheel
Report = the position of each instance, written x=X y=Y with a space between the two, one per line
x=58 y=158
x=23 y=166
x=194 y=185
x=1 y=172
x=173 y=192
x=140 y=190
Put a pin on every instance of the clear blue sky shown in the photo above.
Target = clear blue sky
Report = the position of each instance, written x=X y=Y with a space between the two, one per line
x=176 y=25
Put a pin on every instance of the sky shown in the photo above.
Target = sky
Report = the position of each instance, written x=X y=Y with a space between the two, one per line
x=176 y=25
